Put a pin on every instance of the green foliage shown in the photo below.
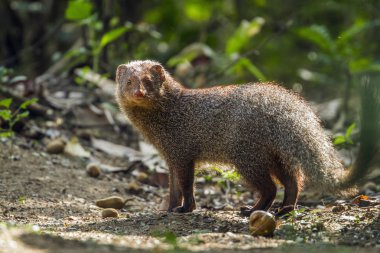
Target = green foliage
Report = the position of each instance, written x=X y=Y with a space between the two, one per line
x=112 y=35
x=294 y=214
x=11 y=118
x=78 y=10
x=345 y=141
x=243 y=34
x=319 y=36
x=198 y=10
x=245 y=64
x=229 y=175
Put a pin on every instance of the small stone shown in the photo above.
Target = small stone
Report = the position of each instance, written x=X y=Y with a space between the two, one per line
x=110 y=212
x=93 y=170
x=228 y=207
x=364 y=203
x=111 y=202
x=338 y=209
x=261 y=223
x=142 y=177
x=133 y=187
x=56 y=146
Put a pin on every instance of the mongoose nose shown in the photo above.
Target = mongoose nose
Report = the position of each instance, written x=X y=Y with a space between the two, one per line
x=139 y=93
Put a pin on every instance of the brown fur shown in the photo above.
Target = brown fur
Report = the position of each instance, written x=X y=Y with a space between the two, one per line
x=265 y=131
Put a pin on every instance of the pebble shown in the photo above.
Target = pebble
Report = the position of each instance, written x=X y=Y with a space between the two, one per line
x=93 y=170
x=364 y=203
x=142 y=177
x=338 y=208
x=111 y=202
x=228 y=207
x=109 y=212
x=56 y=146
x=133 y=187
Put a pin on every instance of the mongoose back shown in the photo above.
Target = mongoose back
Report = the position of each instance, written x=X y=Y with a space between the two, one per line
x=265 y=131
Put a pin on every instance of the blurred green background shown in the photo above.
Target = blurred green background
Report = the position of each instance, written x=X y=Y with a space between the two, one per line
x=321 y=49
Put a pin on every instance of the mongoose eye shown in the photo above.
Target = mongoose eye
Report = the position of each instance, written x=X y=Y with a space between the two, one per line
x=129 y=82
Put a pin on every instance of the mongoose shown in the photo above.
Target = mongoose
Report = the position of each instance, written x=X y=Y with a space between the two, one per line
x=268 y=133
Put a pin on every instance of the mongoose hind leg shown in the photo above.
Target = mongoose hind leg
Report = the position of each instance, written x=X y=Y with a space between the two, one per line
x=182 y=177
x=292 y=182
x=267 y=190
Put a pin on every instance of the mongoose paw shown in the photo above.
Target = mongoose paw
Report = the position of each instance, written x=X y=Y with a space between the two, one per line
x=182 y=209
x=246 y=210
x=284 y=210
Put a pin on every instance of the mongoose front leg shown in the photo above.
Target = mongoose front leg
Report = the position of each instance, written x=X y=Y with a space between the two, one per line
x=175 y=195
x=183 y=176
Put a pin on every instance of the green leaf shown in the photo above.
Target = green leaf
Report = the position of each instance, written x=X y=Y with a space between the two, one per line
x=356 y=28
x=6 y=134
x=6 y=115
x=244 y=64
x=247 y=64
x=191 y=52
x=6 y=102
x=198 y=10
x=339 y=140
x=349 y=130
x=363 y=65
x=243 y=34
x=28 y=102
x=319 y=36
x=21 y=116
x=170 y=238
x=18 y=79
x=78 y=10
x=112 y=35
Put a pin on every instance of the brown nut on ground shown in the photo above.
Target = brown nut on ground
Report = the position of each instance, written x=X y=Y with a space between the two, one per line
x=110 y=212
x=93 y=170
x=55 y=146
x=261 y=223
x=111 y=202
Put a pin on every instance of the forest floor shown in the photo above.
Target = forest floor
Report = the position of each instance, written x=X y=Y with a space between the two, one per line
x=47 y=204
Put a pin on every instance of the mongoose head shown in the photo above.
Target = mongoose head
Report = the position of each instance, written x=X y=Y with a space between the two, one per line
x=139 y=83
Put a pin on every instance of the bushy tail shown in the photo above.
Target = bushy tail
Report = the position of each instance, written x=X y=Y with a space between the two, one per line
x=326 y=173
x=369 y=133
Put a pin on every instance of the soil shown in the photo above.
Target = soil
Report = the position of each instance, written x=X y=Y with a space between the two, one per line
x=47 y=204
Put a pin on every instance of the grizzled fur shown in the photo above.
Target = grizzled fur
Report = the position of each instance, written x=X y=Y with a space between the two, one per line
x=268 y=133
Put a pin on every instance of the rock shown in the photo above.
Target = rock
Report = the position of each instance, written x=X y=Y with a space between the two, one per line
x=338 y=209
x=364 y=203
x=56 y=146
x=93 y=170
x=261 y=223
x=74 y=148
x=142 y=177
x=111 y=202
x=228 y=207
x=109 y=212
x=133 y=187
x=164 y=205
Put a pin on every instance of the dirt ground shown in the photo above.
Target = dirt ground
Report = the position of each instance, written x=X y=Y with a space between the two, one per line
x=47 y=204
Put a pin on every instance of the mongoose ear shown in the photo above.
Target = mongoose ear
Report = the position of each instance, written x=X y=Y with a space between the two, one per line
x=159 y=72
x=121 y=74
